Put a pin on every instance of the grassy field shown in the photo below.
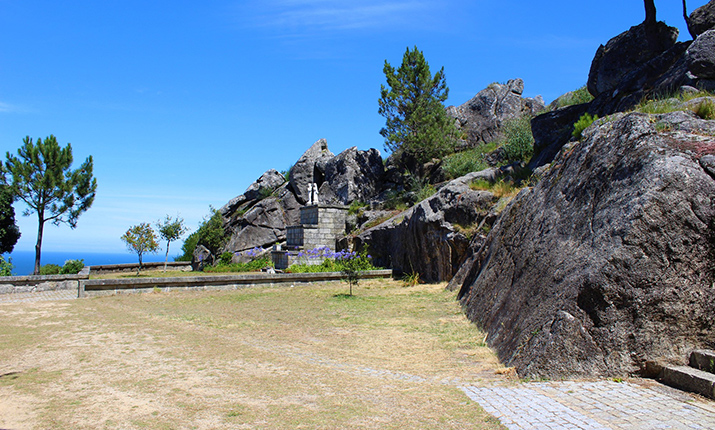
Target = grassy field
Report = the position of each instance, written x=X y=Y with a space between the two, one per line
x=306 y=357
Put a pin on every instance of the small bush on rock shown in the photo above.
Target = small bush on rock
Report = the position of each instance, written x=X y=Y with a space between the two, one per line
x=519 y=144
x=706 y=110
x=582 y=124
x=576 y=97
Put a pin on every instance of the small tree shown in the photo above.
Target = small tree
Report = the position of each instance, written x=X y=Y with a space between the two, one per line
x=141 y=239
x=41 y=177
x=170 y=230
x=417 y=124
x=9 y=232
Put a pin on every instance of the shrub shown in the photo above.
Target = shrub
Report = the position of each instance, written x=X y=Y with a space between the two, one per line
x=356 y=207
x=209 y=234
x=411 y=279
x=5 y=266
x=72 y=267
x=706 y=110
x=251 y=266
x=50 y=269
x=461 y=163
x=519 y=144
x=575 y=97
x=225 y=258
x=582 y=123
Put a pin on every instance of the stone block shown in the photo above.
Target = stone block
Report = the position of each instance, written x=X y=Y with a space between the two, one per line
x=689 y=379
x=703 y=359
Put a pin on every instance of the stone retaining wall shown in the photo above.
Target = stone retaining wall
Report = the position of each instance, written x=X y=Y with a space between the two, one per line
x=132 y=267
x=31 y=284
x=98 y=287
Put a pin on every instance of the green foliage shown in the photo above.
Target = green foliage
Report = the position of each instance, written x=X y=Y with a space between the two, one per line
x=706 y=110
x=140 y=239
x=6 y=266
x=328 y=265
x=351 y=265
x=417 y=124
x=251 y=266
x=9 y=232
x=171 y=229
x=519 y=144
x=356 y=207
x=226 y=258
x=575 y=97
x=582 y=123
x=72 y=267
x=41 y=177
x=50 y=269
x=471 y=160
x=209 y=234
x=499 y=188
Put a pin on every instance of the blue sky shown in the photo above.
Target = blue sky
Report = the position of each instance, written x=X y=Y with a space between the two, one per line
x=183 y=104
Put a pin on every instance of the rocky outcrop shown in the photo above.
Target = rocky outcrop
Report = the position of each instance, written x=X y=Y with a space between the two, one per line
x=352 y=175
x=262 y=225
x=431 y=238
x=608 y=261
x=702 y=19
x=481 y=117
x=551 y=130
x=626 y=53
x=310 y=168
x=700 y=56
x=264 y=186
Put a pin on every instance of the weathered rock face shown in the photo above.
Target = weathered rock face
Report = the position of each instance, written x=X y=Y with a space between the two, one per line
x=309 y=168
x=265 y=185
x=482 y=116
x=263 y=225
x=426 y=238
x=351 y=176
x=608 y=261
x=551 y=130
x=703 y=19
x=626 y=53
x=700 y=56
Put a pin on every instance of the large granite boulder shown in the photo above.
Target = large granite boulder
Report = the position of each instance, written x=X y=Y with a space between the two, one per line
x=262 y=187
x=481 y=117
x=608 y=261
x=431 y=237
x=310 y=168
x=702 y=19
x=551 y=131
x=700 y=56
x=627 y=52
x=263 y=225
x=352 y=175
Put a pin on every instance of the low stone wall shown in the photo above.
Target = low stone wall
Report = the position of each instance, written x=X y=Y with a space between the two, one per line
x=98 y=287
x=31 y=284
x=132 y=267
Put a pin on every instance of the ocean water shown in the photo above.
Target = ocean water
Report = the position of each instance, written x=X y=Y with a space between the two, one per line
x=24 y=261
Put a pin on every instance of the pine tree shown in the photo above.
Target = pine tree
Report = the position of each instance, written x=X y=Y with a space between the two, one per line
x=417 y=124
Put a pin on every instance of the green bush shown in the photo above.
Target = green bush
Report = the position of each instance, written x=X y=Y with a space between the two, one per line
x=461 y=163
x=72 y=267
x=519 y=144
x=209 y=234
x=583 y=123
x=6 y=266
x=251 y=266
x=356 y=207
x=225 y=258
x=575 y=97
x=50 y=269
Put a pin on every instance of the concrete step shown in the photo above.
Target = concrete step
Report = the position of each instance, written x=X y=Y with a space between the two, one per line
x=703 y=359
x=689 y=379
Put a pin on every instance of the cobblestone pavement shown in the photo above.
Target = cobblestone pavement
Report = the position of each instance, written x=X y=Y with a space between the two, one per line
x=601 y=405
x=41 y=296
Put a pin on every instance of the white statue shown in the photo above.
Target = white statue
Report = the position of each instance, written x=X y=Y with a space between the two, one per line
x=314 y=194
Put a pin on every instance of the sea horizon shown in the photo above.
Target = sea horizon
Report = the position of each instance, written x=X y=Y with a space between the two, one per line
x=24 y=261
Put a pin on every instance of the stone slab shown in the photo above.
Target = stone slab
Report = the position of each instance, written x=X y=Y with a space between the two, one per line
x=690 y=379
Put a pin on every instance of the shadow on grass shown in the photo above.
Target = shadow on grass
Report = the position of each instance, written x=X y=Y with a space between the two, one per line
x=344 y=296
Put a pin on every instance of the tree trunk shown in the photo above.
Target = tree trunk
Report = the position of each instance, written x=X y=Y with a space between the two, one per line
x=140 y=263
x=687 y=21
x=38 y=245
x=650 y=12
x=166 y=258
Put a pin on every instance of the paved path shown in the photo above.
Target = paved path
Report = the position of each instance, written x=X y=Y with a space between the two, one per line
x=601 y=405
x=565 y=405
x=41 y=296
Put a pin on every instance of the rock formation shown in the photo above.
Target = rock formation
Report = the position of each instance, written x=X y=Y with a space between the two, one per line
x=352 y=175
x=309 y=169
x=608 y=261
x=702 y=19
x=481 y=117
x=431 y=237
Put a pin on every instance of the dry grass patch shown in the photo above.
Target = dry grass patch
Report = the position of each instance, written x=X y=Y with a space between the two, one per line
x=303 y=357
